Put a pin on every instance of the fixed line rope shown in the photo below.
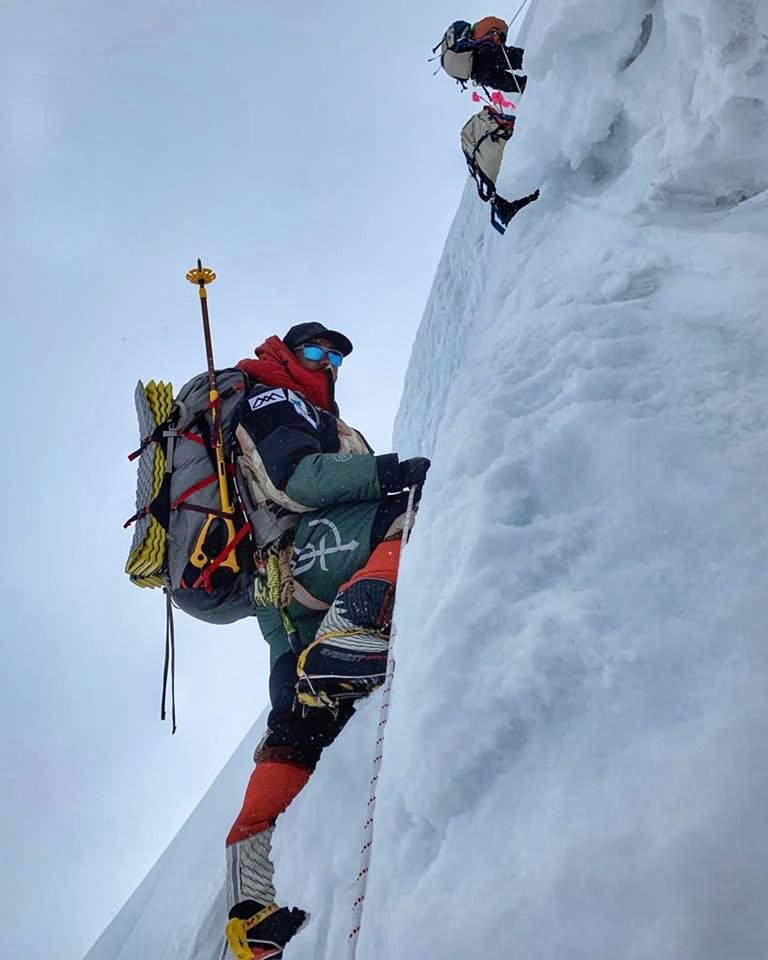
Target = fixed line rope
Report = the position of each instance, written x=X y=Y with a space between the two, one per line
x=367 y=847
x=503 y=47
x=518 y=12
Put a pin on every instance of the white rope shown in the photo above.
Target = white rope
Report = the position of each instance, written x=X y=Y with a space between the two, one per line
x=367 y=847
x=503 y=47
x=520 y=40
x=509 y=65
x=519 y=9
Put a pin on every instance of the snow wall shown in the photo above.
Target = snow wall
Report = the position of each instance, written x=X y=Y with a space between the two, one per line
x=574 y=762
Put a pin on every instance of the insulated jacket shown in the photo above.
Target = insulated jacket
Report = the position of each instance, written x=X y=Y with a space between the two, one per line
x=309 y=473
x=491 y=65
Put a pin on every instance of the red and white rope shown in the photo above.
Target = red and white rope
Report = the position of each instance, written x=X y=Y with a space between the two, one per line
x=367 y=847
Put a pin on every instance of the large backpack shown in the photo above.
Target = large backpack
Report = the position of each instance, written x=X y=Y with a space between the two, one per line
x=457 y=51
x=483 y=138
x=183 y=541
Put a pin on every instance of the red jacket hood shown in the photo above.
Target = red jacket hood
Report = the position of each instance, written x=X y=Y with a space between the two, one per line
x=276 y=366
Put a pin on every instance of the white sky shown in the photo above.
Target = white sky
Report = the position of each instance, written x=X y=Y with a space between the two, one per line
x=307 y=154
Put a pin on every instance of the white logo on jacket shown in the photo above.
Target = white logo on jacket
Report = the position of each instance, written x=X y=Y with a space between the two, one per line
x=305 y=558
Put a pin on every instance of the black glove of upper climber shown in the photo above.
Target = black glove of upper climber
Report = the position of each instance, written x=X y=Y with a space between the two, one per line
x=413 y=472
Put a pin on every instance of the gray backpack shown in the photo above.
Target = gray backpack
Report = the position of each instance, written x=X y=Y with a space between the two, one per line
x=183 y=541
x=457 y=51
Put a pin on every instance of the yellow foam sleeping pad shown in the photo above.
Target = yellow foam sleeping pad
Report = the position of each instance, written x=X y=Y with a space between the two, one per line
x=146 y=560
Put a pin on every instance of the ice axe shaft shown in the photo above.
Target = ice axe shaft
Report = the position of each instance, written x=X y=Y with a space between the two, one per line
x=201 y=276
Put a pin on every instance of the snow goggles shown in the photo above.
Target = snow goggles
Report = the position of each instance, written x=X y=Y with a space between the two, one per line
x=312 y=351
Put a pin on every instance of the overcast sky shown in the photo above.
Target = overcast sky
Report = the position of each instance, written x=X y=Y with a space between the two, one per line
x=308 y=155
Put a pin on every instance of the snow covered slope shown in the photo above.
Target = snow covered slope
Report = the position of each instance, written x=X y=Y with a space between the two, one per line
x=575 y=762
x=176 y=910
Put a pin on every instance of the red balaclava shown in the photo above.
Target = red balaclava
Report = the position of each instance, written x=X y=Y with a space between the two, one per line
x=276 y=366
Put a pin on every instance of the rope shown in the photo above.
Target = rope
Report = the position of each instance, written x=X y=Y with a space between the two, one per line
x=169 y=664
x=503 y=47
x=284 y=558
x=509 y=66
x=367 y=847
x=519 y=10
x=275 y=587
x=521 y=39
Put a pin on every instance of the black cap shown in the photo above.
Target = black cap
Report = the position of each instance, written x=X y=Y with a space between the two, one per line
x=303 y=332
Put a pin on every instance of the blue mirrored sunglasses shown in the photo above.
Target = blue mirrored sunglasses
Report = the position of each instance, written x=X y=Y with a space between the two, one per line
x=312 y=351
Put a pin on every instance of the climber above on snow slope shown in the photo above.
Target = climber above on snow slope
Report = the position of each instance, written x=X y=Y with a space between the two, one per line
x=329 y=519
x=494 y=61
x=479 y=52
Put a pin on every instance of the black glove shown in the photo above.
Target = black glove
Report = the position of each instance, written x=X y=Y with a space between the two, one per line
x=413 y=472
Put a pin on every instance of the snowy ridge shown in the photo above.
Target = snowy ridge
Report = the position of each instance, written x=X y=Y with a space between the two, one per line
x=177 y=909
x=574 y=762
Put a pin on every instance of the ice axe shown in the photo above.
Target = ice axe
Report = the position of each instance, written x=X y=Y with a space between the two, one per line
x=225 y=557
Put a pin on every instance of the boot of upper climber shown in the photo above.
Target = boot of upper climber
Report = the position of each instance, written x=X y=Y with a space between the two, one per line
x=503 y=210
x=258 y=932
x=519 y=83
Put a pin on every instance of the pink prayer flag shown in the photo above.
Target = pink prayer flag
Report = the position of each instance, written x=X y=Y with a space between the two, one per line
x=498 y=98
x=476 y=97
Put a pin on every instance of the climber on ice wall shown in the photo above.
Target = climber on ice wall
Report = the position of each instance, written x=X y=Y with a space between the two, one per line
x=331 y=514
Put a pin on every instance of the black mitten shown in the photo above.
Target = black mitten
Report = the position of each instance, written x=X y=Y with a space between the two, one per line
x=413 y=472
